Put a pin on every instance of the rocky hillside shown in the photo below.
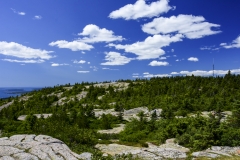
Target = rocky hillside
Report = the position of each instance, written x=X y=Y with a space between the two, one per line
x=160 y=118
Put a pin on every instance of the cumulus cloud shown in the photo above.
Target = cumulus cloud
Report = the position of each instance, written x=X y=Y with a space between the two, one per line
x=80 y=62
x=207 y=73
x=174 y=73
x=194 y=59
x=57 y=64
x=212 y=48
x=74 y=45
x=162 y=58
x=110 y=69
x=17 y=50
x=141 y=9
x=156 y=75
x=19 y=13
x=158 y=63
x=83 y=71
x=151 y=47
x=146 y=73
x=38 y=17
x=135 y=74
x=192 y=27
x=24 y=61
x=115 y=58
x=96 y=34
x=234 y=44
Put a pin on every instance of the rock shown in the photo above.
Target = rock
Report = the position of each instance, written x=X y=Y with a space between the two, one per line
x=32 y=147
x=23 y=117
x=217 y=151
x=135 y=111
x=170 y=141
x=105 y=155
x=204 y=154
x=6 y=105
x=115 y=130
x=153 y=152
x=85 y=156
x=100 y=112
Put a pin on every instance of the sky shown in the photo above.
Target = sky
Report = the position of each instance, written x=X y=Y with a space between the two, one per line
x=46 y=42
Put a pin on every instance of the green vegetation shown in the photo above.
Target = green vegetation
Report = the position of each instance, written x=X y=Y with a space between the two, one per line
x=73 y=120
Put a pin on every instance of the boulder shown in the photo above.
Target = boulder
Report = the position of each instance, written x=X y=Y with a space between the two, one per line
x=32 y=147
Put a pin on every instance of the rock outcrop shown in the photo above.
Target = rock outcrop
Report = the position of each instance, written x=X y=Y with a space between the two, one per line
x=115 y=130
x=165 y=151
x=32 y=147
x=217 y=151
x=23 y=117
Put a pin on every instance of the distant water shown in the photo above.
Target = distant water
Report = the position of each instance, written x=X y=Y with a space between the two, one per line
x=6 y=92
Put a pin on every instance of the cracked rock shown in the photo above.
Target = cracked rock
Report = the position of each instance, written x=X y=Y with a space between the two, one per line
x=32 y=147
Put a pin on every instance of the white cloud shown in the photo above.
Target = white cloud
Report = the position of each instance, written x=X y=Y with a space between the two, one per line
x=57 y=64
x=174 y=73
x=223 y=44
x=24 y=61
x=96 y=34
x=207 y=73
x=172 y=50
x=80 y=62
x=162 y=58
x=141 y=9
x=74 y=45
x=110 y=69
x=156 y=75
x=190 y=26
x=83 y=52
x=94 y=68
x=115 y=58
x=146 y=73
x=88 y=62
x=83 y=71
x=158 y=63
x=234 y=44
x=17 y=50
x=194 y=59
x=212 y=48
x=174 y=55
x=38 y=17
x=135 y=74
x=20 y=13
x=151 y=47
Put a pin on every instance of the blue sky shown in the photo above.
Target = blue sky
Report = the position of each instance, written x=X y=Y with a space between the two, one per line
x=45 y=43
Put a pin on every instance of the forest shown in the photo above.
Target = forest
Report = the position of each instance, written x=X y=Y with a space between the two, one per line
x=73 y=121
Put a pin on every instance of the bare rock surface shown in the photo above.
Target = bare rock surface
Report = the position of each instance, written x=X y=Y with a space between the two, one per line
x=23 y=117
x=32 y=147
x=6 y=105
x=165 y=151
x=115 y=130
x=217 y=151
x=129 y=114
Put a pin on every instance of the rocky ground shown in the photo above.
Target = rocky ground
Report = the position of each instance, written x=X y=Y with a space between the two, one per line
x=165 y=151
x=32 y=147
x=169 y=150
